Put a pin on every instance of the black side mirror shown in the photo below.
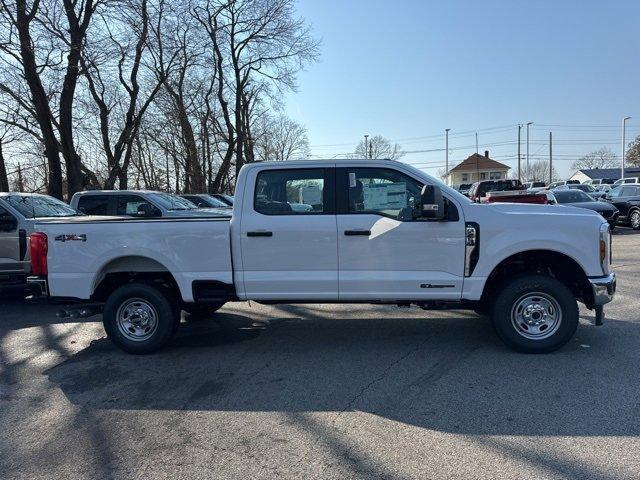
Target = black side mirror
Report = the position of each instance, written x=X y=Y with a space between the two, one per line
x=432 y=203
x=147 y=210
x=8 y=223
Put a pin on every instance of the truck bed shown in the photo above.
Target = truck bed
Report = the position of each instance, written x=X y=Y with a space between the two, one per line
x=84 y=249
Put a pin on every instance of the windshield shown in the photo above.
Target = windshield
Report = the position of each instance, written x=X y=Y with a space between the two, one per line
x=37 y=206
x=584 y=188
x=572 y=196
x=172 y=202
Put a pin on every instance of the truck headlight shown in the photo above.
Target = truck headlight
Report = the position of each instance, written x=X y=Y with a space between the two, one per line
x=605 y=247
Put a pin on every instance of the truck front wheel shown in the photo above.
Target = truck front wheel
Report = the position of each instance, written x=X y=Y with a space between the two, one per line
x=535 y=314
x=139 y=318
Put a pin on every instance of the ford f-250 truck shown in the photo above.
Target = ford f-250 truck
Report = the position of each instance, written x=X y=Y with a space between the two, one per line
x=378 y=232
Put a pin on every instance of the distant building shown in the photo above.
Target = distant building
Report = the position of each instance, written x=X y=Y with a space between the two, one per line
x=476 y=168
x=602 y=173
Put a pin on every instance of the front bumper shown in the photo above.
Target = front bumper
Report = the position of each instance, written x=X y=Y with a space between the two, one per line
x=603 y=289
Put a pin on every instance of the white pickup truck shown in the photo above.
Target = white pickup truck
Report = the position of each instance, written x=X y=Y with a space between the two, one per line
x=378 y=232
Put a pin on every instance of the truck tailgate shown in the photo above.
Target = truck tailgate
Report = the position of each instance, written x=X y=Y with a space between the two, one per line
x=81 y=250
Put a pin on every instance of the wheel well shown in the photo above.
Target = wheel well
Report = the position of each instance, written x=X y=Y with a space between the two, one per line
x=134 y=269
x=543 y=262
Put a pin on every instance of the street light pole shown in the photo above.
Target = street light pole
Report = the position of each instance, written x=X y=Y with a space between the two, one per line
x=624 y=146
x=528 y=171
x=519 y=169
x=366 y=147
x=446 y=161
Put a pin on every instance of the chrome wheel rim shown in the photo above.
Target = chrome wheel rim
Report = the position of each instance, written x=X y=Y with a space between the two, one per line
x=635 y=219
x=137 y=319
x=536 y=316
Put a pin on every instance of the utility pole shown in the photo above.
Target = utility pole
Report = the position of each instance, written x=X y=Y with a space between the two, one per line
x=446 y=161
x=519 y=169
x=528 y=171
x=366 y=146
x=476 y=142
x=624 y=146
x=550 y=158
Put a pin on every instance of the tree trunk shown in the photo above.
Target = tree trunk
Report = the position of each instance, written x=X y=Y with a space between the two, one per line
x=77 y=32
x=39 y=100
x=4 y=181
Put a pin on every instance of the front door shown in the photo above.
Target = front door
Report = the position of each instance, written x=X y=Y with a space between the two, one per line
x=288 y=235
x=384 y=251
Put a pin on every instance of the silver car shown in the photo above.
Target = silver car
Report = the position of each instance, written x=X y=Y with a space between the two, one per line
x=18 y=214
x=139 y=203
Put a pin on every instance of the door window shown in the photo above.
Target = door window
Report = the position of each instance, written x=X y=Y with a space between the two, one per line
x=293 y=192
x=128 y=204
x=94 y=204
x=382 y=191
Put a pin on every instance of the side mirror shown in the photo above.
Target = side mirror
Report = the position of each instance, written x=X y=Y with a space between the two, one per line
x=432 y=203
x=147 y=210
x=8 y=223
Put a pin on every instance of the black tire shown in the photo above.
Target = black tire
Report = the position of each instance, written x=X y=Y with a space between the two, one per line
x=523 y=337
x=634 y=219
x=148 y=300
x=199 y=312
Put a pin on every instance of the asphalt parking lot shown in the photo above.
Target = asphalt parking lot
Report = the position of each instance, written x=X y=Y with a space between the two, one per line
x=323 y=392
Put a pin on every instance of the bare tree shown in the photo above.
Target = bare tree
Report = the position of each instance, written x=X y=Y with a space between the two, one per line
x=538 y=171
x=281 y=138
x=19 y=49
x=601 y=158
x=378 y=147
x=633 y=152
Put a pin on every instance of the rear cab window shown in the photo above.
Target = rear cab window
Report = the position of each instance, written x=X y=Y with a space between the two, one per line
x=94 y=204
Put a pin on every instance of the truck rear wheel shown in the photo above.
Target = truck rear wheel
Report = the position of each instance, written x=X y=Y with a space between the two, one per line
x=535 y=314
x=139 y=318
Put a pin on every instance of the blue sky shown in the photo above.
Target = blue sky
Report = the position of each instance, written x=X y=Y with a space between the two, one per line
x=409 y=69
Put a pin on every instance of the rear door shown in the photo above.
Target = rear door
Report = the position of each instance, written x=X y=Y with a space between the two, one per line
x=622 y=197
x=384 y=253
x=288 y=234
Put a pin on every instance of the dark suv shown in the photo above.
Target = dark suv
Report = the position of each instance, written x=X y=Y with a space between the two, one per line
x=626 y=198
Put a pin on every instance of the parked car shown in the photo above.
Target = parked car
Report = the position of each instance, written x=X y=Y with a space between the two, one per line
x=137 y=203
x=381 y=231
x=627 y=180
x=223 y=197
x=626 y=198
x=600 y=181
x=205 y=200
x=534 y=186
x=603 y=187
x=578 y=198
x=480 y=189
x=562 y=183
x=18 y=213
x=463 y=188
x=588 y=189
